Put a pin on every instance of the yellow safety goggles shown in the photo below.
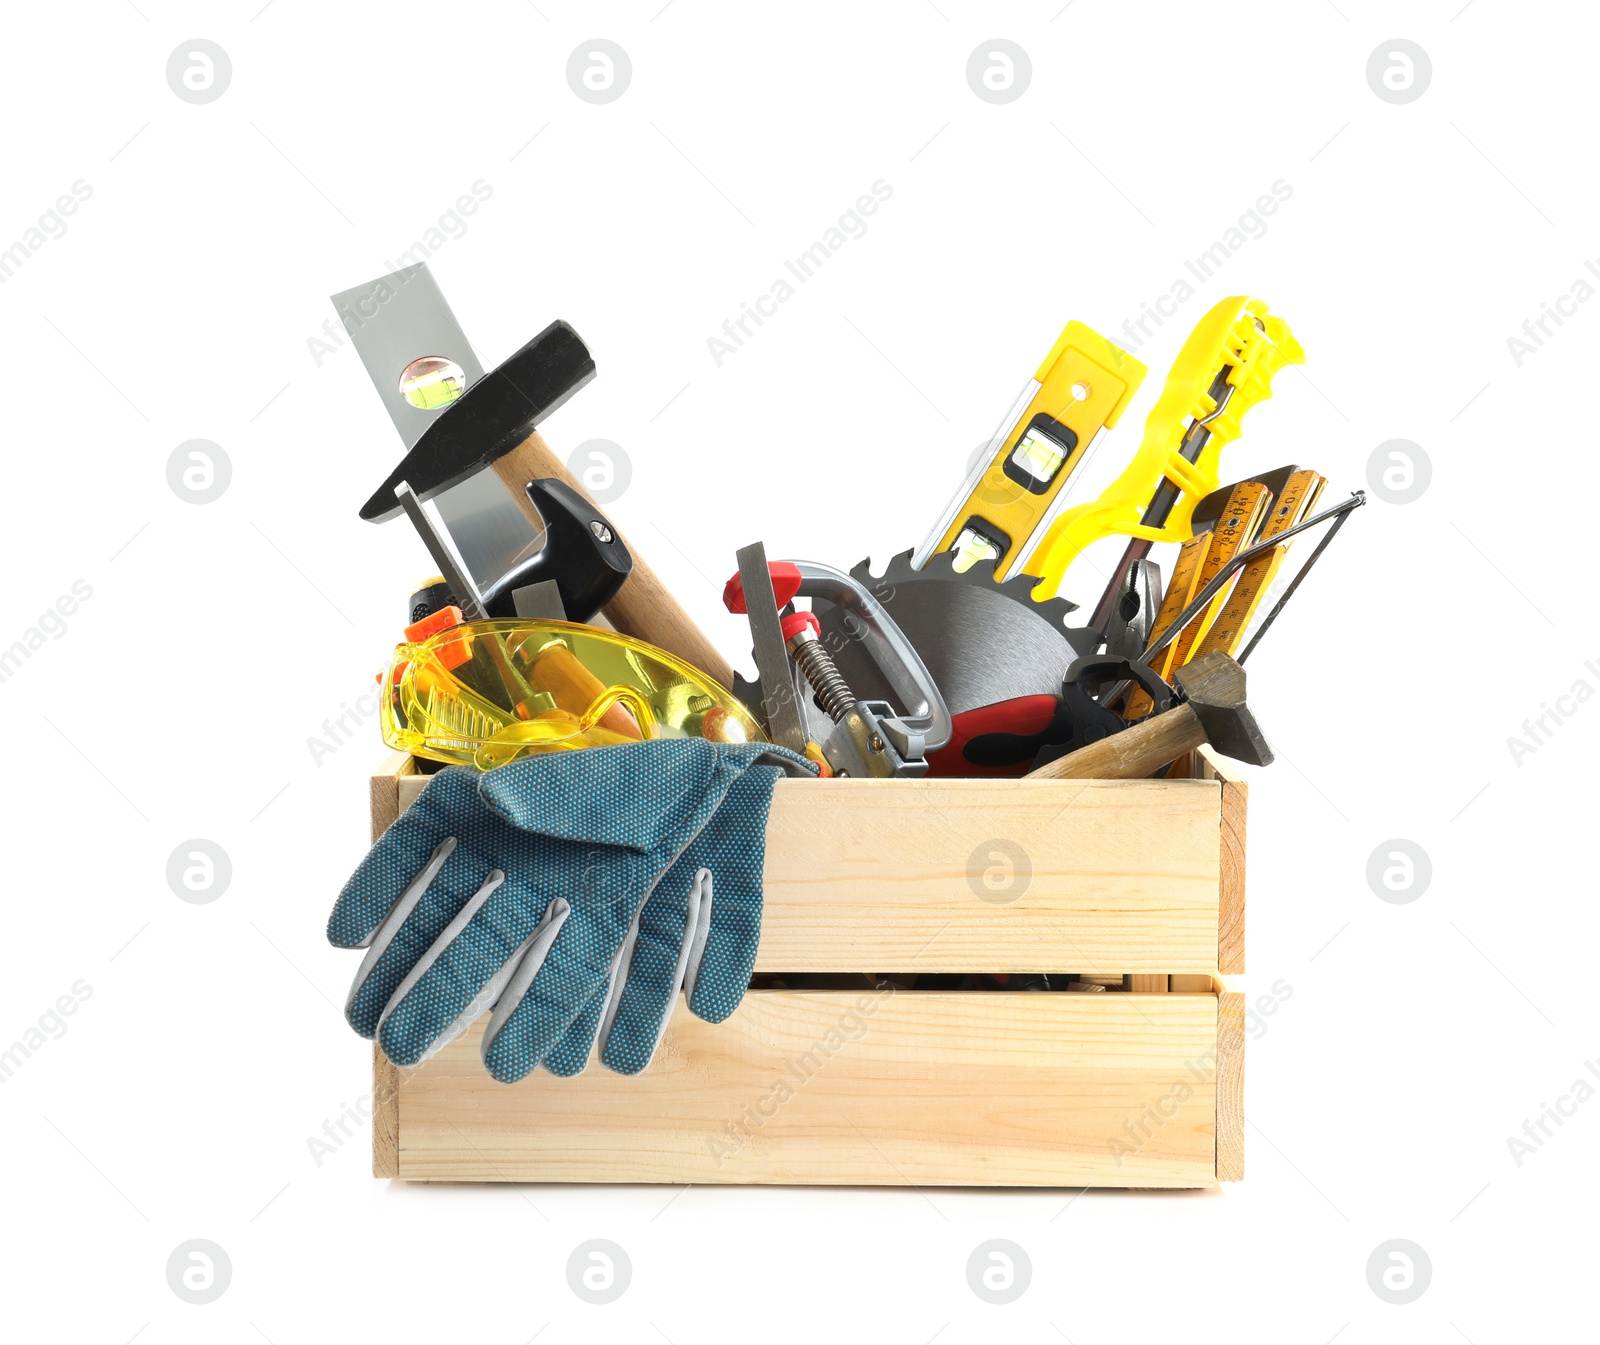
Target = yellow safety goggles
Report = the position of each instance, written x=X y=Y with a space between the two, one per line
x=484 y=693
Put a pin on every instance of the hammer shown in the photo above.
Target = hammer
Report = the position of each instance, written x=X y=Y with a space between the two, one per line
x=1212 y=710
x=491 y=424
x=643 y=606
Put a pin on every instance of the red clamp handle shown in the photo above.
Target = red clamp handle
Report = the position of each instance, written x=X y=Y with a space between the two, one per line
x=785 y=584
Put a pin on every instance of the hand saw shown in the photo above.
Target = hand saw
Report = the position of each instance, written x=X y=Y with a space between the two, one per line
x=1008 y=500
x=1225 y=368
x=1335 y=518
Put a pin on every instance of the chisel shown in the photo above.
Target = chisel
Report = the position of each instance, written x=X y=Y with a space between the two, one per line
x=779 y=702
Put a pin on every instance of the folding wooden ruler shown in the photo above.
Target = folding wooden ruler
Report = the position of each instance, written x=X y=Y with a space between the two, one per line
x=1226 y=523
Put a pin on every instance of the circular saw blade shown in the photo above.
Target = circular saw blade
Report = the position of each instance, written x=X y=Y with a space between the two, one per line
x=982 y=642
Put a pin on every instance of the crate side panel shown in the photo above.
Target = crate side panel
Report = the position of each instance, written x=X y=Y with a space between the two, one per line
x=1235 y=812
x=1102 y=877
x=859 y=1089
x=1230 y=1086
x=898 y=876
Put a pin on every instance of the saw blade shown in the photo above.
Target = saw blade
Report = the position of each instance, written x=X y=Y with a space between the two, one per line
x=982 y=641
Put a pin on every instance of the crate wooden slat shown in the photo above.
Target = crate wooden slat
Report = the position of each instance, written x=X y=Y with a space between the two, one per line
x=1230 y=1086
x=824 y=1087
x=1234 y=809
x=1127 y=876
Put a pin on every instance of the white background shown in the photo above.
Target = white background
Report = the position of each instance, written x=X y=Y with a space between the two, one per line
x=179 y=700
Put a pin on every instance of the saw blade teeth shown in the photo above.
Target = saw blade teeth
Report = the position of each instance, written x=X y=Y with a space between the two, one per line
x=969 y=631
x=940 y=568
x=898 y=570
x=898 y=566
x=1019 y=588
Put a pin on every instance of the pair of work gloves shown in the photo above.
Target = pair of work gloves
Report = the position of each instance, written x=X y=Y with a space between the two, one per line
x=574 y=894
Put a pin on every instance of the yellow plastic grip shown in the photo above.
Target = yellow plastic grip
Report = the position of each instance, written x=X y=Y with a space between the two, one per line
x=1239 y=334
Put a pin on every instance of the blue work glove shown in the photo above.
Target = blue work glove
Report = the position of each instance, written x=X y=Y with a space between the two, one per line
x=697 y=933
x=519 y=889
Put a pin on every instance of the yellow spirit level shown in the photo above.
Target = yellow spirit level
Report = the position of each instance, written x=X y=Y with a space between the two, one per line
x=1079 y=391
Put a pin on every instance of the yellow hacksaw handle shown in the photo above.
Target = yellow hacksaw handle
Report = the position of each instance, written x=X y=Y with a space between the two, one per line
x=1238 y=334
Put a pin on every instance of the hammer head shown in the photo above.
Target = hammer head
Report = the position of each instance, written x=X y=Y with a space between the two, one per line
x=581 y=554
x=490 y=418
x=1214 y=687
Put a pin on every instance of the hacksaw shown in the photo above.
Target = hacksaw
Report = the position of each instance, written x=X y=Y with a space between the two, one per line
x=1227 y=631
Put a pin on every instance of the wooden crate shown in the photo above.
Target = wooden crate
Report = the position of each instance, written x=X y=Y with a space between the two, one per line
x=1142 y=1086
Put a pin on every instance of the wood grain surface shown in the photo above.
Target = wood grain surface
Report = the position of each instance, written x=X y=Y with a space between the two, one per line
x=842 y=1088
x=1234 y=814
x=1230 y=1086
x=1099 y=876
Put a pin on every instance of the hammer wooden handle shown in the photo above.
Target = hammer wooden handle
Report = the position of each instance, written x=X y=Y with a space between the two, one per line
x=643 y=608
x=1133 y=754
